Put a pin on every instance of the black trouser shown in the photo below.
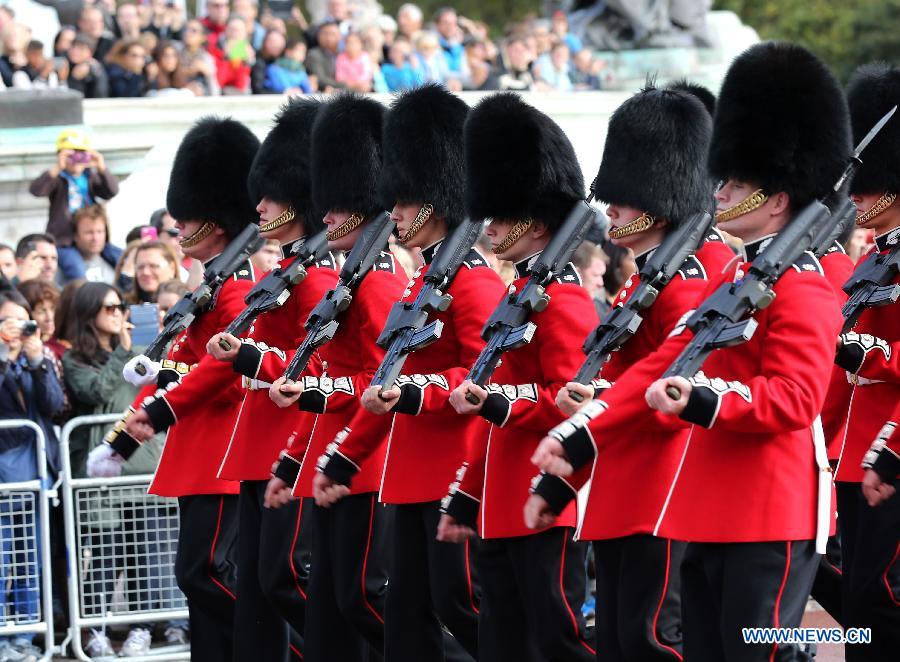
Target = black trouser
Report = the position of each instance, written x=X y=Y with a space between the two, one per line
x=205 y=569
x=272 y=578
x=638 y=598
x=431 y=584
x=827 y=587
x=729 y=586
x=870 y=586
x=348 y=581
x=532 y=589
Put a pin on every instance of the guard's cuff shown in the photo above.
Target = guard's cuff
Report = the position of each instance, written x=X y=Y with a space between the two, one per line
x=160 y=413
x=579 y=447
x=287 y=469
x=887 y=465
x=248 y=360
x=337 y=466
x=167 y=376
x=123 y=443
x=496 y=409
x=850 y=357
x=600 y=385
x=411 y=399
x=702 y=406
x=555 y=491
x=312 y=400
x=462 y=507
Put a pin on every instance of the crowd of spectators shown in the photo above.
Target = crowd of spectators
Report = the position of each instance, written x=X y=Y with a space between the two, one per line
x=153 y=48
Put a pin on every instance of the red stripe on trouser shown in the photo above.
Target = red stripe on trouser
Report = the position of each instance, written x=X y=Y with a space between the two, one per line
x=787 y=570
x=212 y=551
x=562 y=592
x=291 y=551
x=884 y=577
x=366 y=560
x=469 y=580
x=295 y=651
x=662 y=598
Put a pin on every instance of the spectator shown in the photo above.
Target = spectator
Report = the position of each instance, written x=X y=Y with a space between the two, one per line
x=388 y=27
x=125 y=67
x=128 y=23
x=170 y=77
x=36 y=257
x=42 y=297
x=62 y=42
x=8 y=262
x=480 y=74
x=235 y=59
x=273 y=47
x=86 y=74
x=154 y=263
x=167 y=233
x=619 y=268
x=543 y=38
x=449 y=34
x=78 y=179
x=249 y=11
x=517 y=66
x=373 y=43
x=199 y=66
x=91 y=256
x=170 y=292
x=432 y=61
x=39 y=72
x=338 y=13
x=409 y=21
x=402 y=71
x=91 y=24
x=267 y=257
x=166 y=20
x=582 y=74
x=552 y=70
x=125 y=267
x=13 y=43
x=321 y=60
x=29 y=389
x=63 y=322
x=287 y=75
x=559 y=27
x=353 y=67
x=590 y=261
x=215 y=21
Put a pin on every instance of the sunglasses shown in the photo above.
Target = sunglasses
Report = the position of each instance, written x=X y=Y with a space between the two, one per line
x=172 y=232
x=111 y=308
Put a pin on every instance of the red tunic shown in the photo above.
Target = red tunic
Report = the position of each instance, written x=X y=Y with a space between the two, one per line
x=429 y=441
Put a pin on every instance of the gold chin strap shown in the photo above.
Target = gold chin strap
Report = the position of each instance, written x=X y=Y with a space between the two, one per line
x=345 y=228
x=515 y=233
x=880 y=205
x=202 y=233
x=753 y=201
x=641 y=224
x=283 y=218
x=421 y=218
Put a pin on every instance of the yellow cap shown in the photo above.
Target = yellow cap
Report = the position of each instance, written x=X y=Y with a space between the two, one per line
x=72 y=139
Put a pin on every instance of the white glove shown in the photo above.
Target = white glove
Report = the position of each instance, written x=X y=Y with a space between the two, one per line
x=104 y=462
x=132 y=376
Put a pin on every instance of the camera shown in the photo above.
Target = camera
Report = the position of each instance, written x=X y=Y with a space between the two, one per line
x=80 y=156
x=29 y=328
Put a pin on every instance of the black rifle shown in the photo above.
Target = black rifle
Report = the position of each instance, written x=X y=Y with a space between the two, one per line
x=725 y=318
x=845 y=212
x=508 y=327
x=405 y=330
x=273 y=290
x=323 y=321
x=621 y=323
x=183 y=313
x=870 y=285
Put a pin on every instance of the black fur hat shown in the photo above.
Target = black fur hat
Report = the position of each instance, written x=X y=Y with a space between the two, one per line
x=209 y=175
x=707 y=98
x=519 y=163
x=346 y=154
x=423 y=151
x=281 y=169
x=655 y=155
x=873 y=90
x=781 y=123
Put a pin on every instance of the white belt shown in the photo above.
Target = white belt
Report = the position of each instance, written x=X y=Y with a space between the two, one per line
x=823 y=497
x=856 y=380
x=255 y=384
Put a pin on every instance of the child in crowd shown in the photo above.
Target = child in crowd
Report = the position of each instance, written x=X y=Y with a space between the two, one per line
x=287 y=74
x=235 y=58
x=354 y=65
x=401 y=71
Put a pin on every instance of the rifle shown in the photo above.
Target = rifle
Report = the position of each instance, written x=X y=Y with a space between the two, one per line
x=725 y=318
x=323 y=322
x=869 y=286
x=508 y=327
x=273 y=290
x=405 y=330
x=183 y=313
x=622 y=323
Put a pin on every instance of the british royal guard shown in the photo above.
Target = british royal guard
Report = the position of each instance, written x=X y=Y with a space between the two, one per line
x=658 y=136
x=208 y=198
x=522 y=173
x=348 y=578
x=430 y=582
x=870 y=537
x=271 y=594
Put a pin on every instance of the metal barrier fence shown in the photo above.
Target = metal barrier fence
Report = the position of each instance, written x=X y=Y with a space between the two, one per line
x=121 y=544
x=25 y=583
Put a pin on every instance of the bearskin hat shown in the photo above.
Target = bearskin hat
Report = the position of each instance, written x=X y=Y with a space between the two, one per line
x=655 y=155
x=873 y=90
x=209 y=175
x=281 y=169
x=346 y=154
x=519 y=163
x=707 y=98
x=781 y=122
x=423 y=151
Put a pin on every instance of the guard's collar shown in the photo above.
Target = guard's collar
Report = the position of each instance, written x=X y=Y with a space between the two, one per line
x=888 y=240
x=292 y=247
x=524 y=266
x=429 y=253
x=641 y=260
x=753 y=248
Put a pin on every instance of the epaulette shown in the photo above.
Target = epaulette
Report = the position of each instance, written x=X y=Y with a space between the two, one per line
x=327 y=262
x=836 y=247
x=385 y=262
x=475 y=259
x=808 y=262
x=244 y=272
x=692 y=268
x=569 y=276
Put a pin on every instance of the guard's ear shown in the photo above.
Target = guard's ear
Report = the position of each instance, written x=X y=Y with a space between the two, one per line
x=779 y=203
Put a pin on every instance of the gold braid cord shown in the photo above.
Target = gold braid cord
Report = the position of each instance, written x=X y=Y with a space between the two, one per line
x=283 y=218
x=880 y=205
x=753 y=201
x=515 y=233
x=421 y=218
x=641 y=224
x=345 y=228
x=201 y=234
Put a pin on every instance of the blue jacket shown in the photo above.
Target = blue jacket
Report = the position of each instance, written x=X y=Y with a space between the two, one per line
x=32 y=392
x=71 y=263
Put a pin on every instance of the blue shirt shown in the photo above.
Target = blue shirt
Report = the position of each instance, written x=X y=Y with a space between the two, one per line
x=401 y=78
x=79 y=192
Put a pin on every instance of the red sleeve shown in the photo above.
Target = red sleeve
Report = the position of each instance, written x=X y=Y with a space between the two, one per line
x=880 y=359
x=838 y=268
x=884 y=455
x=343 y=457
